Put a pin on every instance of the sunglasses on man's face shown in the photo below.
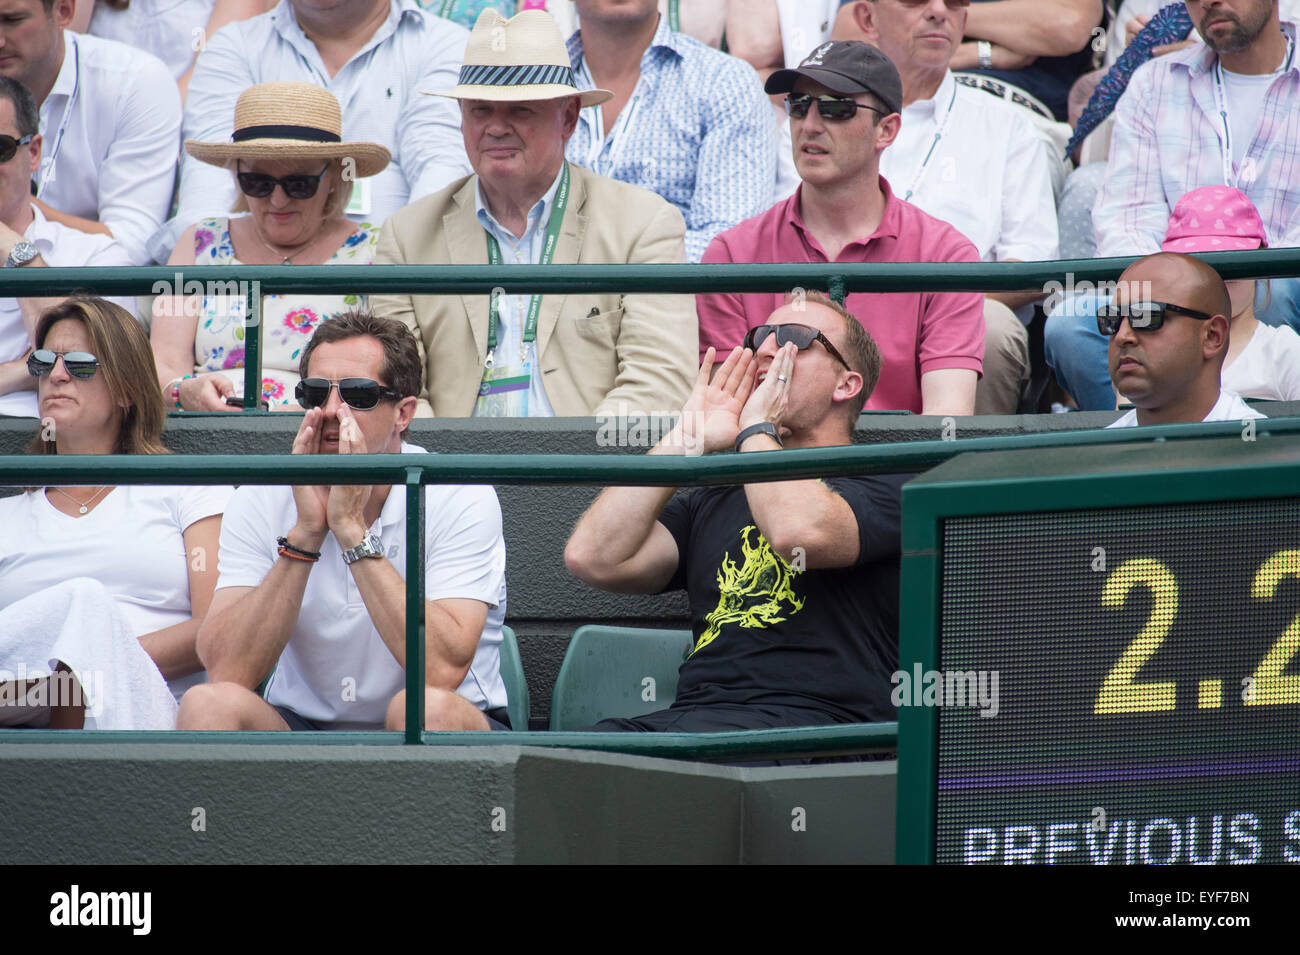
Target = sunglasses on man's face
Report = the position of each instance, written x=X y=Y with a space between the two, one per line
x=9 y=146
x=360 y=394
x=79 y=364
x=1142 y=316
x=828 y=107
x=802 y=335
x=258 y=185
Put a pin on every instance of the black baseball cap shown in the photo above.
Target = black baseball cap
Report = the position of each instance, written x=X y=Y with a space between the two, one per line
x=848 y=67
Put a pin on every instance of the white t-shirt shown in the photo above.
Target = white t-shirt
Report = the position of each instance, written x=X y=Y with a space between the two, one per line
x=1229 y=407
x=132 y=543
x=988 y=176
x=59 y=246
x=336 y=669
x=1268 y=367
x=1244 y=95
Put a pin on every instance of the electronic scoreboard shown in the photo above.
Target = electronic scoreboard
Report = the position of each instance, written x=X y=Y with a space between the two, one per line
x=1100 y=656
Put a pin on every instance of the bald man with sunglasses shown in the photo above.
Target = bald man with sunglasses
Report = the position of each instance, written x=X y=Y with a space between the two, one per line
x=792 y=585
x=312 y=589
x=1168 y=338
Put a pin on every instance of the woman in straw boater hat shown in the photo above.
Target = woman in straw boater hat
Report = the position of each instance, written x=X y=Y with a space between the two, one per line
x=295 y=175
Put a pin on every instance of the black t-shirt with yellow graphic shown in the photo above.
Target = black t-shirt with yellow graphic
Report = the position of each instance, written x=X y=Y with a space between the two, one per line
x=767 y=632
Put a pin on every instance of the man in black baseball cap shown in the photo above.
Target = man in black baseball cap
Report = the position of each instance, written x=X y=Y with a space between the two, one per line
x=844 y=101
x=845 y=67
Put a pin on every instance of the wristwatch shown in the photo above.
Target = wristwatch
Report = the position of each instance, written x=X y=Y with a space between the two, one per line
x=370 y=546
x=22 y=253
x=985 y=50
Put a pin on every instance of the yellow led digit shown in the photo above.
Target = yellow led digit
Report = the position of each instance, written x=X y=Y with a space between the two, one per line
x=1119 y=692
x=1269 y=685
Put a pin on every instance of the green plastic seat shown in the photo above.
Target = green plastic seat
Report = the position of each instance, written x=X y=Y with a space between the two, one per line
x=607 y=672
x=512 y=674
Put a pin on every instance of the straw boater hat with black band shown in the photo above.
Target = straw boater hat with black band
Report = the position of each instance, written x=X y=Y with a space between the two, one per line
x=290 y=121
x=523 y=58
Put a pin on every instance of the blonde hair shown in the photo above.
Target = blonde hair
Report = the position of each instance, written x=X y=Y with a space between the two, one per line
x=340 y=193
x=125 y=361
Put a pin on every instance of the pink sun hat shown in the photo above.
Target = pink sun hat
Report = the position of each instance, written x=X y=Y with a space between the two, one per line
x=1214 y=219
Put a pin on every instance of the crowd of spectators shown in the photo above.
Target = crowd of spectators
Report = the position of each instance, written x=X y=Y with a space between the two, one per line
x=495 y=132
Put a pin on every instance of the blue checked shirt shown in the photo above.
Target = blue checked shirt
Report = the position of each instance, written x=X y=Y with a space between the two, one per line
x=698 y=131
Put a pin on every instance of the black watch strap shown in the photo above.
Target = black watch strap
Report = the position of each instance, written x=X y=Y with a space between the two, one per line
x=763 y=427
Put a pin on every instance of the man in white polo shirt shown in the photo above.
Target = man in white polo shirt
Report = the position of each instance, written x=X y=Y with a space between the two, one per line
x=972 y=160
x=1168 y=334
x=28 y=240
x=312 y=587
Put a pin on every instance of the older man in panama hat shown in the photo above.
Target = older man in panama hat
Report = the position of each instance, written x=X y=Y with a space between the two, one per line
x=572 y=353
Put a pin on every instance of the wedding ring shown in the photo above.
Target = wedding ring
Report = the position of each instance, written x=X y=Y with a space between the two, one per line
x=782 y=378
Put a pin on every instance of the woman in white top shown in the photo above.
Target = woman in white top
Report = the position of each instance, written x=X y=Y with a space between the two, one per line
x=296 y=175
x=107 y=583
x=1263 y=361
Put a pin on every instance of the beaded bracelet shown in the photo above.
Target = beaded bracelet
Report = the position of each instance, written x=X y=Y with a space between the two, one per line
x=176 y=390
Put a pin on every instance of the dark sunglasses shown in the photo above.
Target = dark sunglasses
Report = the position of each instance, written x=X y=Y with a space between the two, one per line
x=361 y=394
x=9 y=146
x=1142 y=316
x=79 y=364
x=802 y=335
x=828 y=107
x=258 y=185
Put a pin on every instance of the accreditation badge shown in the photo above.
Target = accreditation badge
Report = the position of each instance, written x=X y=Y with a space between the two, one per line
x=503 y=392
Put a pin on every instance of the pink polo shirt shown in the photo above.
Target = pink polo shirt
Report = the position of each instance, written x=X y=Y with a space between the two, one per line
x=917 y=332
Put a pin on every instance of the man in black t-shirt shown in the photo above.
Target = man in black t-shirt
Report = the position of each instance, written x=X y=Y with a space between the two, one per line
x=793 y=585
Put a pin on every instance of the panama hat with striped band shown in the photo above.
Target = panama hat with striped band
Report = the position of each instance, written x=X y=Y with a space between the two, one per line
x=523 y=58
x=290 y=121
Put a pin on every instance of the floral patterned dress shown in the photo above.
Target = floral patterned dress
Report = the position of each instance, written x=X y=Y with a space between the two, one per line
x=288 y=320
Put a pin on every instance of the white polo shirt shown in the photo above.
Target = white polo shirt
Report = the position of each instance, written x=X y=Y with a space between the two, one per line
x=59 y=246
x=1229 y=407
x=336 y=669
x=1269 y=365
x=988 y=176
x=110 y=132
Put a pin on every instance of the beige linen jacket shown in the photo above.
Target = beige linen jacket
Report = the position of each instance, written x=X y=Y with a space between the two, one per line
x=600 y=354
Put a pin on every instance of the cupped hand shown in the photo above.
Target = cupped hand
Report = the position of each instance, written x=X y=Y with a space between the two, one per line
x=311 y=499
x=769 y=400
x=709 y=419
x=347 y=502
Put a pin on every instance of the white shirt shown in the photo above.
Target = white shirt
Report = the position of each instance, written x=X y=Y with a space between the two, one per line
x=59 y=246
x=1244 y=95
x=1229 y=407
x=1268 y=367
x=381 y=91
x=514 y=308
x=132 y=542
x=988 y=175
x=171 y=30
x=336 y=669
x=110 y=130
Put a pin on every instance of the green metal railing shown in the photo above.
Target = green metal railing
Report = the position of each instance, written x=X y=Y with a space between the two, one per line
x=837 y=278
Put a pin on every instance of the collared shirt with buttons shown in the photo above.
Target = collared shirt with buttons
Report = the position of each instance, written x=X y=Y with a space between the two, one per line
x=110 y=129
x=698 y=131
x=522 y=250
x=381 y=91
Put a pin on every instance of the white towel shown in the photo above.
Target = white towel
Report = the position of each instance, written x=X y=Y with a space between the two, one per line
x=77 y=623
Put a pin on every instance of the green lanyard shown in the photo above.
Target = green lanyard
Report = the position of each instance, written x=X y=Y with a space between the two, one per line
x=674 y=18
x=447 y=7
x=548 y=253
